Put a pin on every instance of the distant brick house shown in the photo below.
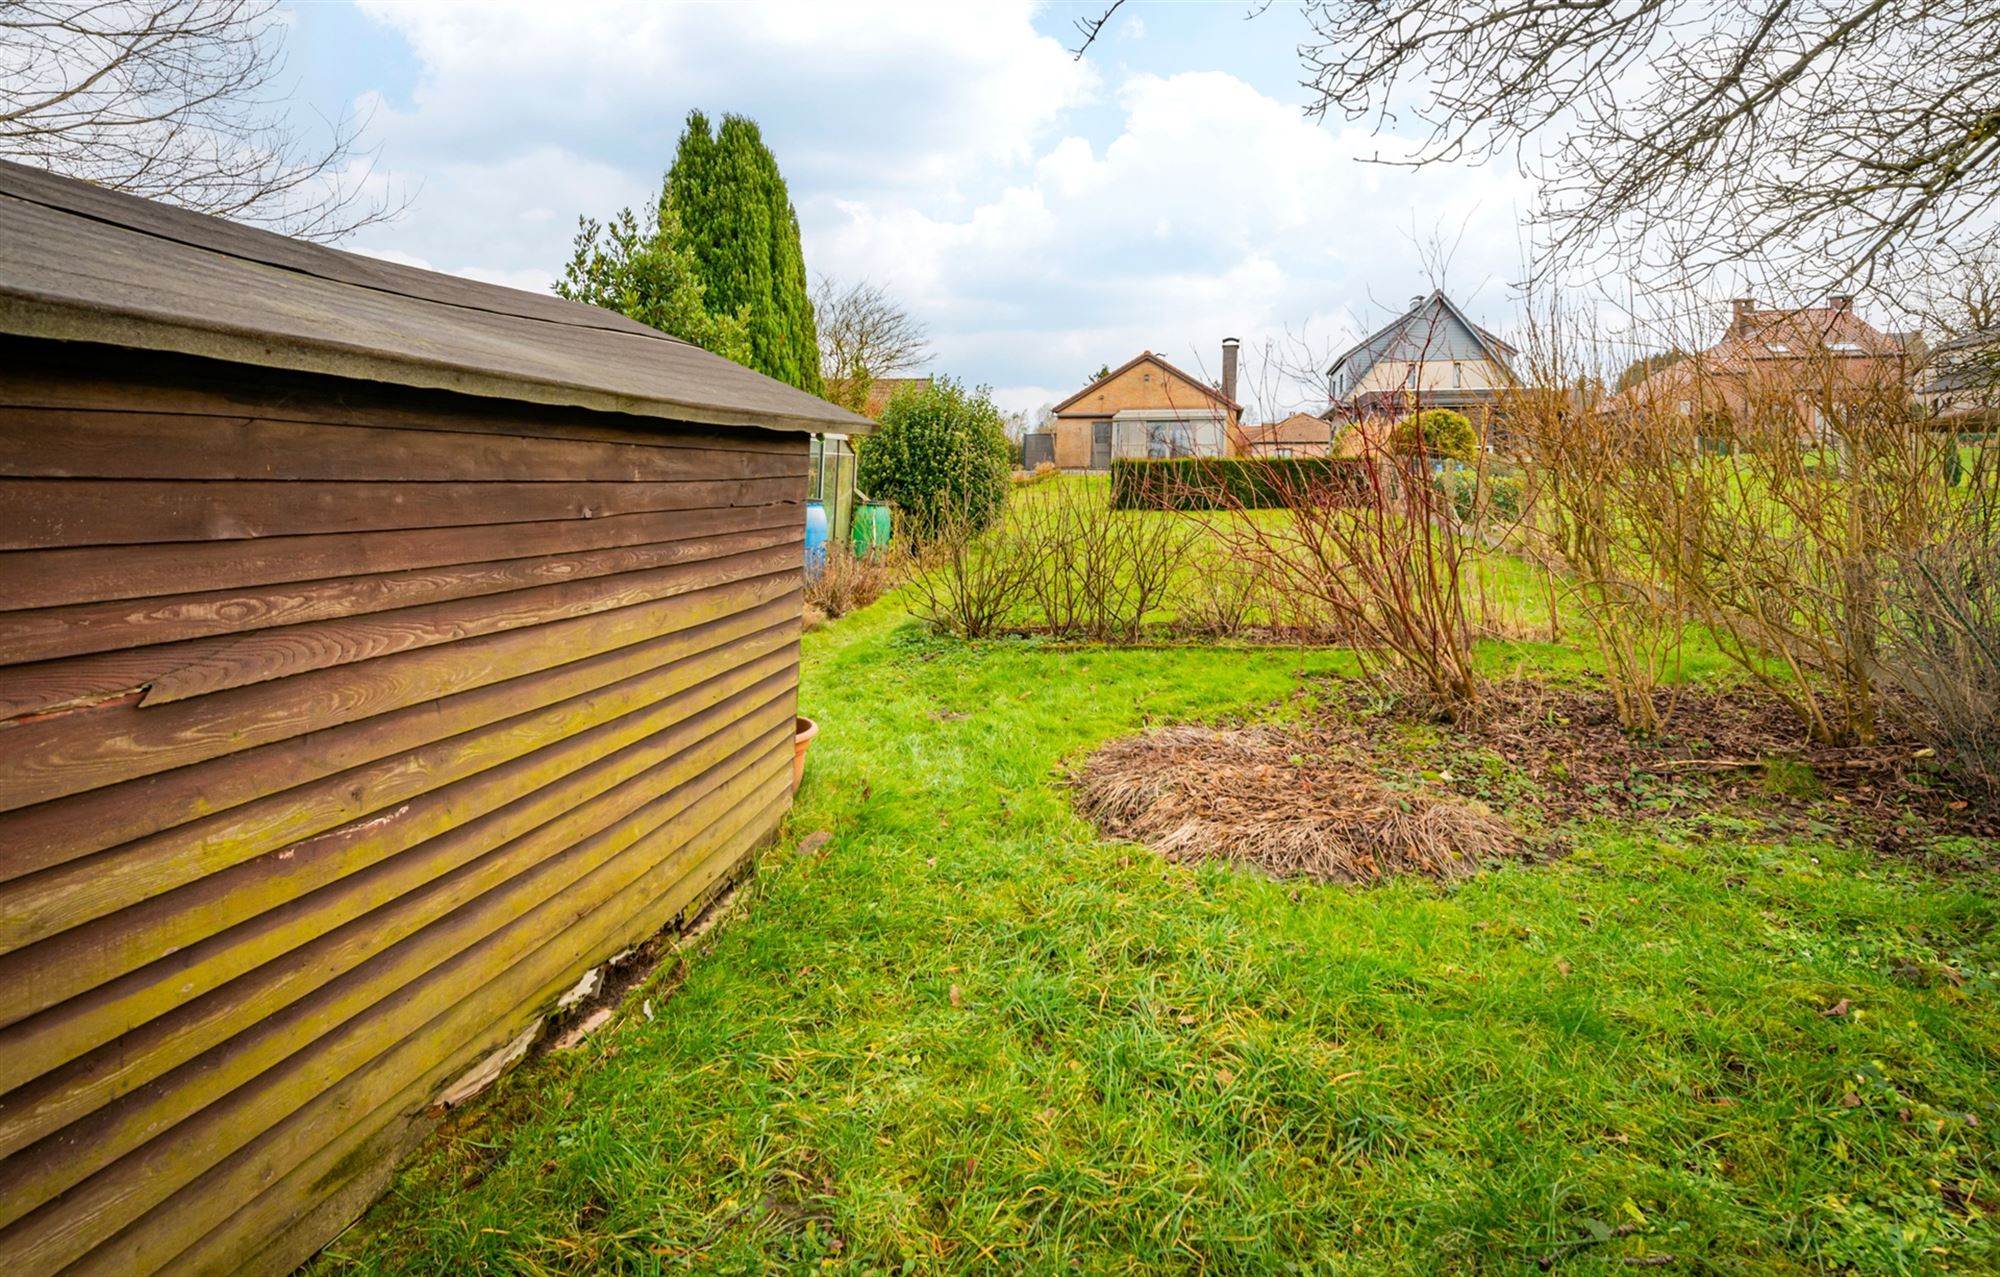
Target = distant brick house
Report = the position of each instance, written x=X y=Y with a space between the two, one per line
x=1430 y=356
x=1299 y=435
x=1818 y=358
x=1146 y=407
x=883 y=389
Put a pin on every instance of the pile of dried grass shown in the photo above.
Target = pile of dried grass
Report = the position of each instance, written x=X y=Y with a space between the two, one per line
x=1284 y=803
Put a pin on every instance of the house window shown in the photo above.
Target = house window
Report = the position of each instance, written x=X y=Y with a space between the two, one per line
x=1845 y=347
x=1169 y=439
x=1457 y=376
x=1687 y=407
x=1284 y=453
x=1410 y=376
x=1777 y=348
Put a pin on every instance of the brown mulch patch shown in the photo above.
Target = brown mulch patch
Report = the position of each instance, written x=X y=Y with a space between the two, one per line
x=1358 y=791
x=1285 y=802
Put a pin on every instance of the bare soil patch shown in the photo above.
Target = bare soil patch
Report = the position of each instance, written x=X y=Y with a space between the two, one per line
x=1559 y=750
x=1359 y=790
x=1289 y=803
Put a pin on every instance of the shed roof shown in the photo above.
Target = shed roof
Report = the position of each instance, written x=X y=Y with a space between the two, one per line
x=80 y=263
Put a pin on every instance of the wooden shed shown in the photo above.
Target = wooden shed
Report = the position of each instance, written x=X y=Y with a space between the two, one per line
x=380 y=651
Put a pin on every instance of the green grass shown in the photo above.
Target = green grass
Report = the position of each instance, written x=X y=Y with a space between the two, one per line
x=967 y=1035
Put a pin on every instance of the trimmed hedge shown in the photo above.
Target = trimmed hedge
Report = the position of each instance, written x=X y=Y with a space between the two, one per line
x=1232 y=483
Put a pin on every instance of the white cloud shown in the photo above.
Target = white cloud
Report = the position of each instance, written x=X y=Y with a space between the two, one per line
x=950 y=153
x=1216 y=211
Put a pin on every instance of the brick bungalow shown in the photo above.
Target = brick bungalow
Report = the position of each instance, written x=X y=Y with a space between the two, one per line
x=1299 y=435
x=1146 y=407
x=1817 y=356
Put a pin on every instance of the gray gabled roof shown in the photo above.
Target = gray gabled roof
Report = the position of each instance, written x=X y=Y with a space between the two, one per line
x=80 y=263
x=1434 y=329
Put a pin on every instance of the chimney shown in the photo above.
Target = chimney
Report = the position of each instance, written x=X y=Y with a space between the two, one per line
x=1739 y=322
x=1229 y=369
x=1840 y=301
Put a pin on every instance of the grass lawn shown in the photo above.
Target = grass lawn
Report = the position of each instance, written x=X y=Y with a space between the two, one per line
x=967 y=1035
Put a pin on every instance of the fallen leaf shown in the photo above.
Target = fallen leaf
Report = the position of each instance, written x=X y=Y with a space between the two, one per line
x=1838 y=1009
x=1187 y=1019
x=1562 y=966
x=1224 y=1076
x=957 y=998
x=1850 y=1101
x=813 y=841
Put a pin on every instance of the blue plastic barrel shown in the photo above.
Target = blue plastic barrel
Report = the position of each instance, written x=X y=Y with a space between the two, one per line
x=816 y=533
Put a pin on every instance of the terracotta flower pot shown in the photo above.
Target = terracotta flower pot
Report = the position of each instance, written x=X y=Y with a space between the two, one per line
x=807 y=729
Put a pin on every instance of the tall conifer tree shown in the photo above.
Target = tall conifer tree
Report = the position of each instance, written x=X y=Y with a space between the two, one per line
x=738 y=218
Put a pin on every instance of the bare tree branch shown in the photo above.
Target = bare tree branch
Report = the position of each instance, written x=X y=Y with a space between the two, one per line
x=1090 y=27
x=176 y=100
x=1825 y=136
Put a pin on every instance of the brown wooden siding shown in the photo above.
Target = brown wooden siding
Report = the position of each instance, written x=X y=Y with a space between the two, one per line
x=341 y=731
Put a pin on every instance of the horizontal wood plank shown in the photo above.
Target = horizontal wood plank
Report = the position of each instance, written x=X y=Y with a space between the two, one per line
x=310 y=1146
x=180 y=671
x=47 y=513
x=699 y=791
x=554 y=936
x=37 y=906
x=70 y=753
x=66 y=443
x=81 y=629
x=70 y=376
x=178 y=944
x=343 y=725
x=50 y=1101
x=294 y=788
x=34 y=579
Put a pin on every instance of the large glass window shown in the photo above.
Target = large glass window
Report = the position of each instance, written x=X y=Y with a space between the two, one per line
x=1169 y=439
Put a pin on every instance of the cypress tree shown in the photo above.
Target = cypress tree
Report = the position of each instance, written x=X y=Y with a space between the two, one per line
x=731 y=200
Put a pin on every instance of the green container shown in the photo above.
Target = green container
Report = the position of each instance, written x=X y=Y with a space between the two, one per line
x=871 y=526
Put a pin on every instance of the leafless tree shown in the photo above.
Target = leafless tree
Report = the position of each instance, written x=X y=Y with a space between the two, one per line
x=1950 y=292
x=1829 y=136
x=178 y=100
x=863 y=335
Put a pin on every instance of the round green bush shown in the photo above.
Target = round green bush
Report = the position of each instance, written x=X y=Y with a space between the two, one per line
x=941 y=454
x=1446 y=434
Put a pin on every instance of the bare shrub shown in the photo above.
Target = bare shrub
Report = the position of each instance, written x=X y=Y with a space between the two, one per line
x=1576 y=456
x=968 y=581
x=1219 y=595
x=1383 y=561
x=1094 y=572
x=848 y=581
x=1941 y=638
x=1773 y=508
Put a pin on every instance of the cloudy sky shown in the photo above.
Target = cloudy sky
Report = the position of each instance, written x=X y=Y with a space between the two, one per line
x=1041 y=216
